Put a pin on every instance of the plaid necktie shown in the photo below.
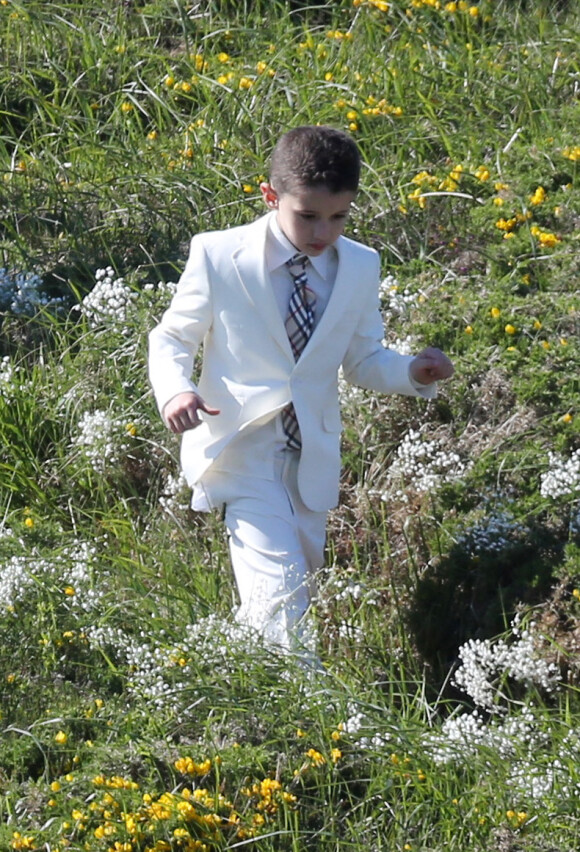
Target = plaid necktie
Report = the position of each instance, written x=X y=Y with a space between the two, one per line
x=299 y=325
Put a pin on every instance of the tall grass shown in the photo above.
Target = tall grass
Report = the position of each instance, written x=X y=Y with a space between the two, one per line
x=135 y=715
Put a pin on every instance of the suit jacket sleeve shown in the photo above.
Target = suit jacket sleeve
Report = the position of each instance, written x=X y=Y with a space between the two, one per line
x=174 y=342
x=369 y=364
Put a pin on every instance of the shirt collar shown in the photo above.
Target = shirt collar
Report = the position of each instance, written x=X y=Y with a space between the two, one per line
x=279 y=249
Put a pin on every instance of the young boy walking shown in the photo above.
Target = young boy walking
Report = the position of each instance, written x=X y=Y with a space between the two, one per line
x=278 y=306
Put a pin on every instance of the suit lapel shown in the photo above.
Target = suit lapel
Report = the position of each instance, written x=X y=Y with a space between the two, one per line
x=341 y=294
x=250 y=263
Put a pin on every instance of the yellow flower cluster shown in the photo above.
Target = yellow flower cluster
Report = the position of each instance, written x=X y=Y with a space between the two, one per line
x=509 y=225
x=572 y=153
x=462 y=6
x=339 y=35
x=545 y=238
x=538 y=197
x=269 y=794
x=425 y=182
x=188 y=766
x=381 y=5
x=115 y=782
x=316 y=758
x=517 y=817
x=457 y=6
x=381 y=107
x=23 y=841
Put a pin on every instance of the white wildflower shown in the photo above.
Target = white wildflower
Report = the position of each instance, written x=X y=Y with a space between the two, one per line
x=563 y=478
x=109 y=302
x=395 y=302
x=103 y=439
x=172 y=499
x=485 y=663
x=425 y=465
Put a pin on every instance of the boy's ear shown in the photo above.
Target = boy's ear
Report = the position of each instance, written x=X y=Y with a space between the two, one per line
x=269 y=195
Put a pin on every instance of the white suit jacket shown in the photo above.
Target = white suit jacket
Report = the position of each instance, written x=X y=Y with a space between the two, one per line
x=225 y=302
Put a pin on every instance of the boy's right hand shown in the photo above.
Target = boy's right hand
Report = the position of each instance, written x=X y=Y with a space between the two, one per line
x=181 y=412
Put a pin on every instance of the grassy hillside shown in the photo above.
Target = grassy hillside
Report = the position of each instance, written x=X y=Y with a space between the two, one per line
x=136 y=717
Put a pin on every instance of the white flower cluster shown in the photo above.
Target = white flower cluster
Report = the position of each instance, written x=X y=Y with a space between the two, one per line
x=563 y=478
x=394 y=301
x=102 y=439
x=485 y=663
x=72 y=568
x=13 y=379
x=521 y=740
x=532 y=780
x=462 y=736
x=402 y=345
x=515 y=736
x=22 y=294
x=492 y=535
x=349 y=393
x=424 y=465
x=110 y=301
x=172 y=498
x=163 y=291
x=166 y=676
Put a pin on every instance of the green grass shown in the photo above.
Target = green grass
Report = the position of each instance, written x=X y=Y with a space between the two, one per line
x=126 y=128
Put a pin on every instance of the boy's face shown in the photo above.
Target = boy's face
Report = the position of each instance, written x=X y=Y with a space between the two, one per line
x=312 y=218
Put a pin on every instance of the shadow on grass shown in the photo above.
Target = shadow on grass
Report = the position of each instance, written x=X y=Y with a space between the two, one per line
x=473 y=593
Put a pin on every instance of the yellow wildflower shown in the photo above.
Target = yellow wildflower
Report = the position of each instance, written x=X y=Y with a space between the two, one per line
x=545 y=238
x=61 y=738
x=572 y=153
x=316 y=758
x=538 y=197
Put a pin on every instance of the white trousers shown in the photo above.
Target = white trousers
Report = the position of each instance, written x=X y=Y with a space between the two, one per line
x=276 y=547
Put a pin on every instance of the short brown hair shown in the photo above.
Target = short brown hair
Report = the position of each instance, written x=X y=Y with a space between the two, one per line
x=315 y=155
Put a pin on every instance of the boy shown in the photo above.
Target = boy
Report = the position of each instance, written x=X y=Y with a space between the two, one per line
x=279 y=306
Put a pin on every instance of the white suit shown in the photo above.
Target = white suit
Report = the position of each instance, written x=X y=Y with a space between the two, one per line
x=276 y=501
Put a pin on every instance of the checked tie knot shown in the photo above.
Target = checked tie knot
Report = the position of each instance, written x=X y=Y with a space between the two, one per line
x=297 y=264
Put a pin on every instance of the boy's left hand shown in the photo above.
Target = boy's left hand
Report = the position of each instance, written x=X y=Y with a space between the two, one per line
x=430 y=365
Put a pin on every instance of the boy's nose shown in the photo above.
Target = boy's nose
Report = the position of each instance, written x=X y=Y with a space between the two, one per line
x=322 y=230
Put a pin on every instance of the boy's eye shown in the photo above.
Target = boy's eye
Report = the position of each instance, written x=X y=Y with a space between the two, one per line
x=307 y=215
